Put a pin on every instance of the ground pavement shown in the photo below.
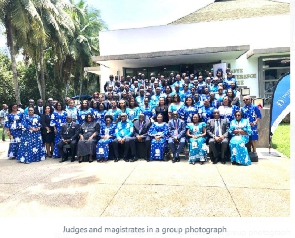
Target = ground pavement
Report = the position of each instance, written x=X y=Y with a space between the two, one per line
x=140 y=189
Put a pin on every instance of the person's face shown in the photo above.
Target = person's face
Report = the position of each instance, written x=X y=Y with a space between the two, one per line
x=206 y=90
x=206 y=103
x=200 y=78
x=111 y=78
x=108 y=121
x=175 y=115
x=238 y=116
x=123 y=118
x=177 y=77
x=31 y=111
x=31 y=103
x=185 y=87
x=220 y=90
x=114 y=104
x=131 y=102
x=146 y=101
x=101 y=107
x=14 y=108
x=216 y=114
x=94 y=104
x=176 y=88
x=175 y=98
x=230 y=93
x=225 y=101
x=247 y=100
x=193 y=90
x=122 y=104
x=58 y=107
x=136 y=83
x=158 y=91
x=169 y=98
x=141 y=92
x=124 y=95
x=229 y=75
x=167 y=90
x=110 y=96
x=197 y=97
x=195 y=118
x=212 y=95
x=189 y=101
x=40 y=103
x=47 y=110
x=89 y=118
x=141 y=117
x=95 y=95
x=69 y=119
x=100 y=98
x=218 y=74
x=161 y=101
x=160 y=118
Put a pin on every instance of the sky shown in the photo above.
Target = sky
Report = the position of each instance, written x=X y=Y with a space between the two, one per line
x=122 y=14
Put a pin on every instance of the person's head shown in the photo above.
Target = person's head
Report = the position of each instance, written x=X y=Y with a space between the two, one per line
x=146 y=101
x=89 y=118
x=101 y=107
x=108 y=119
x=31 y=111
x=176 y=88
x=135 y=83
x=159 y=118
x=167 y=89
x=132 y=103
x=206 y=103
x=124 y=94
x=175 y=115
x=189 y=101
x=123 y=117
x=247 y=100
x=31 y=102
x=95 y=95
x=177 y=78
x=185 y=87
x=168 y=99
x=69 y=119
x=122 y=104
x=111 y=77
x=211 y=96
x=161 y=101
x=158 y=90
x=196 y=82
x=219 y=73
x=110 y=96
x=200 y=78
x=40 y=103
x=206 y=90
x=229 y=75
x=58 y=106
x=197 y=97
x=141 y=117
x=176 y=98
x=153 y=79
x=230 y=93
x=114 y=104
x=94 y=104
x=215 y=81
x=216 y=114
x=196 y=118
x=84 y=105
x=12 y=108
x=220 y=90
x=48 y=109
x=226 y=101
x=141 y=92
x=238 y=115
x=193 y=90
x=4 y=106
x=208 y=80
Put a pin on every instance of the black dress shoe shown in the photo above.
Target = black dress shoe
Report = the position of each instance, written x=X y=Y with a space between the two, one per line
x=234 y=162
x=90 y=161
x=63 y=160
x=177 y=159
x=72 y=160
x=173 y=160
x=116 y=160
x=201 y=162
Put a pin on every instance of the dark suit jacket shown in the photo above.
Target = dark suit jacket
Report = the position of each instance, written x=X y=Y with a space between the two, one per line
x=145 y=128
x=210 y=128
x=72 y=133
x=36 y=110
x=181 y=128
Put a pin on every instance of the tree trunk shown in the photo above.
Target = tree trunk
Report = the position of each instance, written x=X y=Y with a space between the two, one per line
x=38 y=79
x=10 y=44
x=42 y=81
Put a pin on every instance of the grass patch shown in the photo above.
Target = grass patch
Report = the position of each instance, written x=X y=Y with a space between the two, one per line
x=281 y=139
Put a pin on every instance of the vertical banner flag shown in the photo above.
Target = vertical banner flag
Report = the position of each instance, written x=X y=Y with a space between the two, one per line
x=280 y=102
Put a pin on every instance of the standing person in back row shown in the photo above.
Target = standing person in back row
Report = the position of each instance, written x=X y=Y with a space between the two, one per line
x=252 y=113
x=3 y=114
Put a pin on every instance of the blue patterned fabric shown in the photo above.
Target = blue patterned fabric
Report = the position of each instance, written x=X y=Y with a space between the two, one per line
x=103 y=145
x=14 y=123
x=158 y=147
x=186 y=113
x=115 y=113
x=173 y=107
x=99 y=116
x=206 y=113
x=57 y=119
x=82 y=114
x=124 y=129
x=237 y=144
x=31 y=147
x=228 y=112
x=148 y=112
x=252 y=112
x=133 y=113
x=197 y=148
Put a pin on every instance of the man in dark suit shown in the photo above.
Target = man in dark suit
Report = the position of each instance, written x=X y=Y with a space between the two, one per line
x=176 y=139
x=109 y=83
x=39 y=108
x=217 y=131
x=69 y=136
x=140 y=130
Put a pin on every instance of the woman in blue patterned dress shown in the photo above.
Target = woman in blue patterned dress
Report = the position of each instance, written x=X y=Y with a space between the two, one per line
x=175 y=105
x=114 y=111
x=83 y=111
x=107 y=135
x=58 y=117
x=159 y=134
x=100 y=114
x=196 y=131
x=31 y=147
x=13 y=125
x=226 y=110
x=240 y=130
x=133 y=110
x=187 y=111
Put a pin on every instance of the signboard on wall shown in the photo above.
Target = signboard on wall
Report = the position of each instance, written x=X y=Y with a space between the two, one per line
x=219 y=66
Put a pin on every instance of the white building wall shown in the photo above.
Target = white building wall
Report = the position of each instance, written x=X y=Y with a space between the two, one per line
x=261 y=32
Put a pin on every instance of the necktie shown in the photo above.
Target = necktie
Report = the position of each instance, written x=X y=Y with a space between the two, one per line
x=217 y=128
x=176 y=127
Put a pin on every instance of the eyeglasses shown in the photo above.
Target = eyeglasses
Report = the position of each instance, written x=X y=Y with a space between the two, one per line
x=238 y=115
x=245 y=100
x=123 y=116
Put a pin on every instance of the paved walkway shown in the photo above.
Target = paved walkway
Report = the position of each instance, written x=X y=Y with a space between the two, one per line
x=139 y=189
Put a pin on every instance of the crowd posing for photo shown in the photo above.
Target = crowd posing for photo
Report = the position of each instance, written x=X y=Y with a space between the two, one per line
x=138 y=117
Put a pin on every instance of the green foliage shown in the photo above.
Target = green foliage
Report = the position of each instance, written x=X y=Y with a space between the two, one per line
x=6 y=81
x=281 y=139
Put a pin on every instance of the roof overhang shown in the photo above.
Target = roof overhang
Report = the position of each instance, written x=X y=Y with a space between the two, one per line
x=94 y=70
x=267 y=51
x=187 y=56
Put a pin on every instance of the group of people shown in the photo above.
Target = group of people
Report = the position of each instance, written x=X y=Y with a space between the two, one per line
x=140 y=117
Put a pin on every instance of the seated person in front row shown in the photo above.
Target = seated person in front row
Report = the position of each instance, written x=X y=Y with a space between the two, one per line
x=176 y=141
x=124 y=132
x=141 y=128
x=69 y=136
x=217 y=131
